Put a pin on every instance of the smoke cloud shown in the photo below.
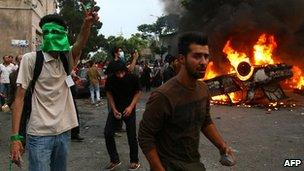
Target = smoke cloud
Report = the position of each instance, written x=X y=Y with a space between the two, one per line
x=242 y=21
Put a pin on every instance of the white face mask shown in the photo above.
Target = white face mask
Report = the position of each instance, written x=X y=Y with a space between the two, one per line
x=121 y=54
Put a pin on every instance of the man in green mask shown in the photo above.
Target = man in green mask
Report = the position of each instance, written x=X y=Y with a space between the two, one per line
x=53 y=112
x=55 y=38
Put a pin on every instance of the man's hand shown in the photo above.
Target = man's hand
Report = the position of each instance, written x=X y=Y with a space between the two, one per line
x=136 y=55
x=127 y=112
x=90 y=17
x=117 y=114
x=17 y=151
x=90 y=14
x=228 y=158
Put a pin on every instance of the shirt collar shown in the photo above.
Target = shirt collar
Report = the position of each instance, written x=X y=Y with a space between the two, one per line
x=47 y=57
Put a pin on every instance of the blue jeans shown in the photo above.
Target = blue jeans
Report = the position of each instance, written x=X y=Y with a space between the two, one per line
x=94 y=89
x=48 y=152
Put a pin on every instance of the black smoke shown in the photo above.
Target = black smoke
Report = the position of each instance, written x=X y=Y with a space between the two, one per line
x=242 y=21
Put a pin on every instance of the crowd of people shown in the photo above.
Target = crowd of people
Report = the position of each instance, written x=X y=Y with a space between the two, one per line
x=177 y=111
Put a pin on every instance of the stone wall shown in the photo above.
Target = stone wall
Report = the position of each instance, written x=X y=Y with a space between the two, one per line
x=19 y=19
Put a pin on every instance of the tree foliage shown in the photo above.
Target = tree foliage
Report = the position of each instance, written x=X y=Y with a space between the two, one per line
x=71 y=11
x=164 y=25
x=128 y=45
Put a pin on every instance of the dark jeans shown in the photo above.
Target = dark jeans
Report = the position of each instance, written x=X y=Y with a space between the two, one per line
x=119 y=124
x=75 y=131
x=109 y=132
x=4 y=89
x=148 y=85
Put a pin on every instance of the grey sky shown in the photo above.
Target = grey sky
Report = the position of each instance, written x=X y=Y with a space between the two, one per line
x=125 y=15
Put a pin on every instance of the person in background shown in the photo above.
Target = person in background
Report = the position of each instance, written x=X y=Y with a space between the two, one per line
x=134 y=66
x=75 y=132
x=172 y=69
x=13 y=85
x=6 y=68
x=94 y=78
x=123 y=92
x=146 y=76
x=157 y=76
x=117 y=55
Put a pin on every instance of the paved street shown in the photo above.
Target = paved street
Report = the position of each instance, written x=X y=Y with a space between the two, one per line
x=262 y=140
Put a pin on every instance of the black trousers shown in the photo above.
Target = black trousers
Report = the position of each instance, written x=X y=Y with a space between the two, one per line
x=109 y=132
x=75 y=131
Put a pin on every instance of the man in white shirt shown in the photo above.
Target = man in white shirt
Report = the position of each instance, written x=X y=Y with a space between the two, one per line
x=53 y=112
x=6 y=68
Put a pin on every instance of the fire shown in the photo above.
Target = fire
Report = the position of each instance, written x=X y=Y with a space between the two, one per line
x=263 y=50
x=234 y=57
x=220 y=98
x=297 y=81
x=300 y=85
x=226 y=98
x=210 y=72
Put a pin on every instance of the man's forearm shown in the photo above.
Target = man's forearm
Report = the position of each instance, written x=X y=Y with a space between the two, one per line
x=111 y=100
x=154 y=161
x=17 y=110
x=135 y=99
x=213 y=135
x=81 y=41
x=132 y=65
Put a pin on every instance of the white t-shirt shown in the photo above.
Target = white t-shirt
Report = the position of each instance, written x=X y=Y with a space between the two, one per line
x=5 y=72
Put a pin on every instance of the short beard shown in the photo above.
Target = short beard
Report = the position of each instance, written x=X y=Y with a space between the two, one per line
x=193 y=74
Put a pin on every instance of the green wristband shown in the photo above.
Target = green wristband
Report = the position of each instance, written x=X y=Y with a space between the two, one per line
x=16 y=137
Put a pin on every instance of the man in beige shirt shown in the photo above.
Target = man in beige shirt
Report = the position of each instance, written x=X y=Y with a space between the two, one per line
x=53 y=112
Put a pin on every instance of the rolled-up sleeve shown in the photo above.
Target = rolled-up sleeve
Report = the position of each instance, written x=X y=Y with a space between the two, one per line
x=157 y=110
x=25 y=74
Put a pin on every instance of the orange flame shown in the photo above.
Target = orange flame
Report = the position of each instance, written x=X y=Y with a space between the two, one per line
x=210 y=72
x=262 y=55
x=234 y=56
x=297 y=81
x=263 y=50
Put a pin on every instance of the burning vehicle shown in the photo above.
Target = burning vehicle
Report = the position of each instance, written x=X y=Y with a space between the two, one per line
x=253 y=78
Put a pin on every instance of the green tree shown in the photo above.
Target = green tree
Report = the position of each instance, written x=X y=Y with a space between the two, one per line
x=164 y=25
x=71 y=11
x=136 y=41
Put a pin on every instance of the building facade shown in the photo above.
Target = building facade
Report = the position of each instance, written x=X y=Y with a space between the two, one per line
x=19 y=25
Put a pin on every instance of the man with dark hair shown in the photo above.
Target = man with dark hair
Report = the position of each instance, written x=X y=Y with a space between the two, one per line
x=123 y=92
x=172 y=69
x=117 y=54
x=178 y=111
x=6 y=68
x=53 y=112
